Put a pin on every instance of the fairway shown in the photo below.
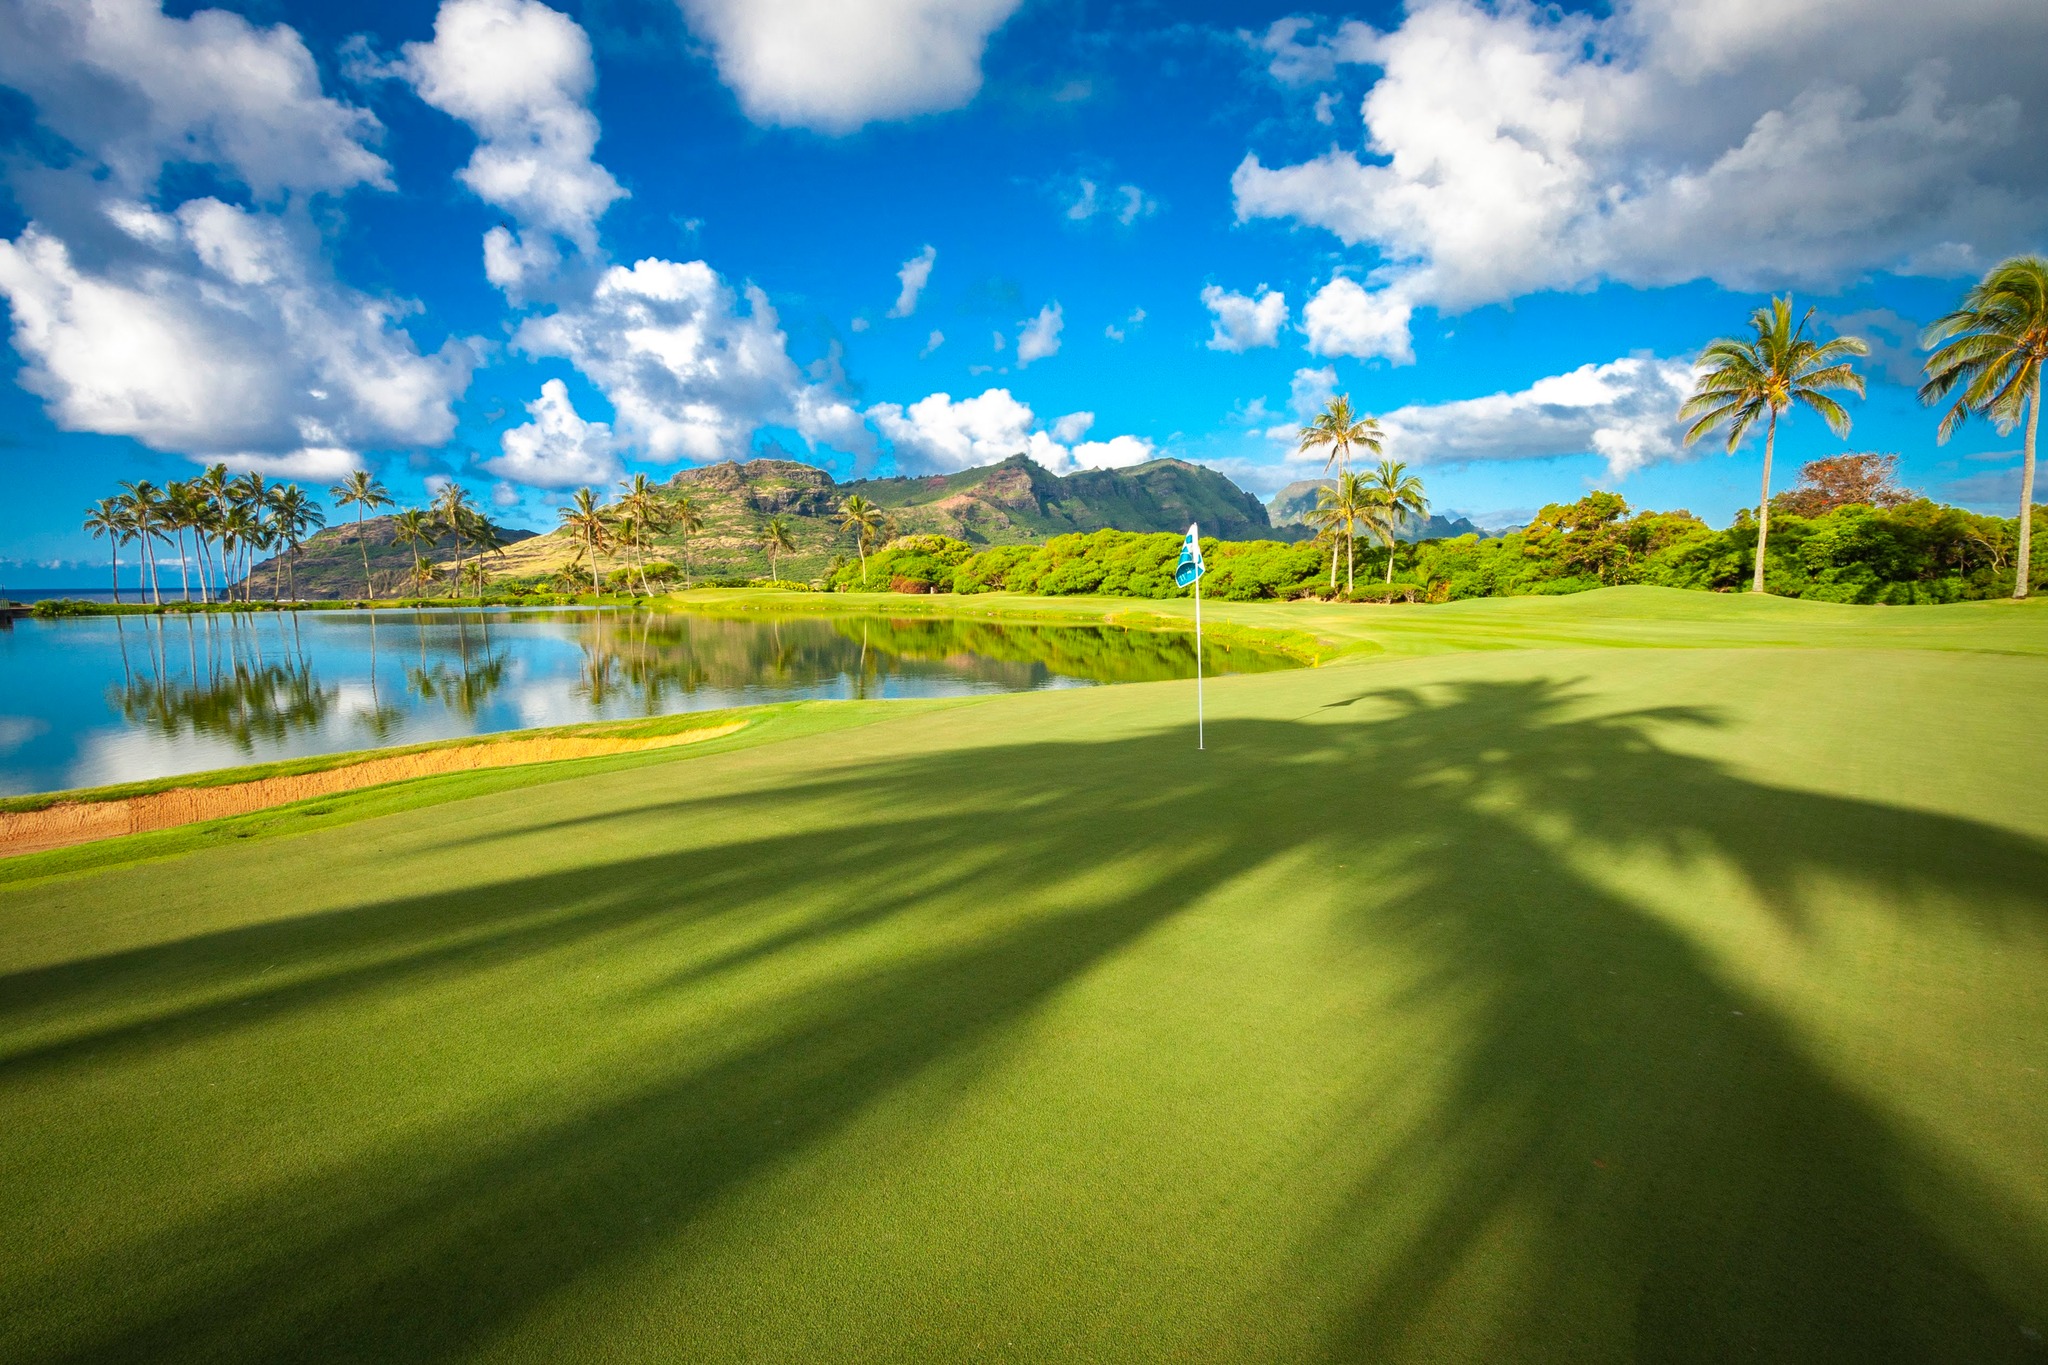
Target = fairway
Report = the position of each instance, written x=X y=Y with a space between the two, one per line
x=1639 y=975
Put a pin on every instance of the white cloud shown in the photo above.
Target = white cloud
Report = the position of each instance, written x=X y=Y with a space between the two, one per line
x=557 y=449
x=1130 y=324
x=690 y=374
x=915 y=274
x=1084 y=200
x=138 y=90
x=1072 y=427
x=1040 y=337
x=215 y=332
x=932 y=343
x=937 y=434
x=520 y=75
x=1344 y=318
x=835 y=65
x=1515 y=148
x=1622 y=411
x=1242 y=321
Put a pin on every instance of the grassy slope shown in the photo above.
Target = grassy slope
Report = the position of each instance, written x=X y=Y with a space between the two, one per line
x=1491 y=993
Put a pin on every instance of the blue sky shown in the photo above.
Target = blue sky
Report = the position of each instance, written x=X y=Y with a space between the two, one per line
x=528 y=246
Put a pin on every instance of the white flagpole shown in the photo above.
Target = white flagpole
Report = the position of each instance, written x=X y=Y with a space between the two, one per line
x=1199 y=744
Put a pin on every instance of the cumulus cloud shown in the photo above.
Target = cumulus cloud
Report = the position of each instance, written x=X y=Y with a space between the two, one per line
x=557 y=449
x=1242 y=321
x=938 y=434
x=1040 y=337
x=1622 y=411
x=837 y=66
x=139 y=90
x=932 y=343
x=217 y=333
x=1345 y=318
x=520 y=75
x=1514 y=148
x=691 y=368
x=915 y=274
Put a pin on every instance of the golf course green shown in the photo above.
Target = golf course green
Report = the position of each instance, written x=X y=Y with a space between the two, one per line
x=1637 y=975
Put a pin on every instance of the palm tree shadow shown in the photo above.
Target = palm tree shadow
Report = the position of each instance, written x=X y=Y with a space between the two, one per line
x=1748 y=1203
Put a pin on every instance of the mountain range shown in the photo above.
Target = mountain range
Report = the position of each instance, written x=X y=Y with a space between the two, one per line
x=1291 y=505
x=1016 y=501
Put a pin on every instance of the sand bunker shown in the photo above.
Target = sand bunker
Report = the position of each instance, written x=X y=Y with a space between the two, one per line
x=83 y=821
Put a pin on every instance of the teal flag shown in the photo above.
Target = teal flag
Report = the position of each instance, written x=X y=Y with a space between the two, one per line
x=1190 y=567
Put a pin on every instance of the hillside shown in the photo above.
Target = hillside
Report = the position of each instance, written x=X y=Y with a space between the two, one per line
x=331 y=563
x=1292 y=504
x=1016 y=501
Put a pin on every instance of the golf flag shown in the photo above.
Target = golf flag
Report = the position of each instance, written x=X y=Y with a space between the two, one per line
x=1190 y=567
x=1190 y=570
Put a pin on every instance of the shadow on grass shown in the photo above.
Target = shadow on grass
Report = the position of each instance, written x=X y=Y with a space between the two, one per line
x=1676 y=1170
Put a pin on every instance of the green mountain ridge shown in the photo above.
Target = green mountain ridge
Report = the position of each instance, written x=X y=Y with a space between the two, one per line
x=1291 y=505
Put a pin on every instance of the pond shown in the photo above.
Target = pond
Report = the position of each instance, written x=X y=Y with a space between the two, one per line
x=96 y=700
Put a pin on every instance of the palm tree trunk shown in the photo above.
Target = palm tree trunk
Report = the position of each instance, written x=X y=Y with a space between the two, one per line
x=2024 y=570
x=1763 y=508
x=862 y=547
x=156 y=592
x=1390 y=561
x=590 y=544
x=184 y=568
x=369 y=589
x=1350 y=552
x=114 y=556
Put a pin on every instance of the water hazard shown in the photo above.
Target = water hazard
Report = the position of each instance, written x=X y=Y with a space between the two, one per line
x=97 y=700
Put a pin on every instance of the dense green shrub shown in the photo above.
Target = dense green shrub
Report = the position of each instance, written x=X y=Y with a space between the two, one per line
x=1916 y=551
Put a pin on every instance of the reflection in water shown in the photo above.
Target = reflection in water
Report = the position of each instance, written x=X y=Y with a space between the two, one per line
x=191 y=692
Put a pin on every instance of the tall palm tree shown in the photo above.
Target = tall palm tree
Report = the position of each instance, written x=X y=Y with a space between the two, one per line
x=252 y=494
x=144 y=509
x=686 y=515
x=452 y=512
x=1339 y=429
x=589 y=523
x=294 y=514
x=485 y=538
x=1991 y=349
x=361 y=491
x=642 y=510
x=213 y=487
x=1342 y=509
x=415 y=528
x=184 y=510
x=1741 y=379
x=1398 y=496
x=866 y=521
x=775 y=539
x=109 y=519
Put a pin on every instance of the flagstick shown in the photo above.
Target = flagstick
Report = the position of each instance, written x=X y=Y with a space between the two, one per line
x=1199 y=744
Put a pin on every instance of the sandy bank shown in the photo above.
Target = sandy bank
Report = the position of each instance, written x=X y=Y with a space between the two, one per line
x=81 y=822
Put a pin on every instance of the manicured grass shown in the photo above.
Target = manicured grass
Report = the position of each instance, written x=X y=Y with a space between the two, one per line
x=1490 y=993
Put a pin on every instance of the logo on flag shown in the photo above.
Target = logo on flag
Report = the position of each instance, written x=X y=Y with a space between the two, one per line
x=1190 y=567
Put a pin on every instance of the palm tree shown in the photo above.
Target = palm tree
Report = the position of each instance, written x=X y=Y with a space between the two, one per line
x=1342 y=509
x=110 y=520
x=641 y=506
x=1740 y=380
x=252 y=495
x=1398 y=496
x=415 y=528
x=480 y=533
x=866 y=521
x=1339 y=428
x=361 y=491
x=686 y=515
x=774 y=538
x=1991 y=349
x=144 y=510
x=453 y=512
x=180 y=512
x=585 y=519
x=213 y=487
x=294 y=514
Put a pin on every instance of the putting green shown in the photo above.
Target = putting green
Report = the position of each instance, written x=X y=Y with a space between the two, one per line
x=1491 y=993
